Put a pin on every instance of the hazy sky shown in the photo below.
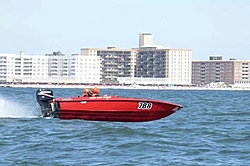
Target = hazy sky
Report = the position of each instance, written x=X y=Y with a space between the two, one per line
x=208 y=27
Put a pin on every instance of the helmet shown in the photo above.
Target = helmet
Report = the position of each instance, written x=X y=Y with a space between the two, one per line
x=95 y=90
x=86 y=90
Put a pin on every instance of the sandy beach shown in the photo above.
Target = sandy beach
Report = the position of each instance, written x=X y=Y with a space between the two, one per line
x=122 y=87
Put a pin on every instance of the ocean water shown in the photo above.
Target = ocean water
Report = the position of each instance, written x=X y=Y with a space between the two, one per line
x=212 y=128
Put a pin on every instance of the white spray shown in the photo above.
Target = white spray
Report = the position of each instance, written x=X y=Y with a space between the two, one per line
x=10 y=109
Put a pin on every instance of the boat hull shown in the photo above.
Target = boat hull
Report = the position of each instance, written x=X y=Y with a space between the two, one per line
x=112 y=108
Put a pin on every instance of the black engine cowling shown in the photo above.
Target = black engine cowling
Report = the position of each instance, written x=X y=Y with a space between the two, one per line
x=45 y=97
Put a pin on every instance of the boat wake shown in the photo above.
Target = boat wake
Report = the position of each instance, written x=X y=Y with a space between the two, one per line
x=10 y=109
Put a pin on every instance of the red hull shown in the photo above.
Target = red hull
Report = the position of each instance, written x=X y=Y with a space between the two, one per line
x=112 y=108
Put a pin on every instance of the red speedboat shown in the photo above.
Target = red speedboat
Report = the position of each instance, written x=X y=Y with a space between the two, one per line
x=103 y=108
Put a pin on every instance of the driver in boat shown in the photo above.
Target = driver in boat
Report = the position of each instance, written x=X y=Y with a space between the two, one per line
x=95 y=92
x=87 y=93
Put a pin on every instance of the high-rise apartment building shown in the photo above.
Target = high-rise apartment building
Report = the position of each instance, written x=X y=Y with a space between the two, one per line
x=241 y=72
x=86 y=69
x=17 y=68
x=227 y=71
x=7 y=69
x=58 y=65
x=174 y=64
x=53 y=68
x=114 y=62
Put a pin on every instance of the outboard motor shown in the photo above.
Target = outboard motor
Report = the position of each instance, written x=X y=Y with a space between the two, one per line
x=45 y=97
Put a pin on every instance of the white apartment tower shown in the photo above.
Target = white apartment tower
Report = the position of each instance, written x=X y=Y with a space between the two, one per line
x=21 y=68
x=172 y=64
x=49 y=69
x=114 y=62
x=179 y=66
x=86 y=69
x=7 y=67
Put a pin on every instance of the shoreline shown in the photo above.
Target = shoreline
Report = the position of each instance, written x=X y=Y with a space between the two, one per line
x=122 y=87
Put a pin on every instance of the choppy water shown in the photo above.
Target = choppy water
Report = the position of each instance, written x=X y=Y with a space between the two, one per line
x=212 y=128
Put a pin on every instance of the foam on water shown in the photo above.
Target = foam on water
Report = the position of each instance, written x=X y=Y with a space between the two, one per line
x=11 y=109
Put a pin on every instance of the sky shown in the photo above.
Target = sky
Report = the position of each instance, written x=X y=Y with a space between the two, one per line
x=208 y=27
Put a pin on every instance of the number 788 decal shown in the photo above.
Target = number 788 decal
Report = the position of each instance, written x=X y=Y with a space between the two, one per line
x=145 y=105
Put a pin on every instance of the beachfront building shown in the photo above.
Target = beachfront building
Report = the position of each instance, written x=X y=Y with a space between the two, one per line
x=122 y=66
x=86 y=69
x=159 y=62
x=7 y=70
x=51 y=68
x=162 y=65
x=114 y=62
x=18 y=68
x=228 y=71
x=37 y=66
x=58 y=65
x=241 y=73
